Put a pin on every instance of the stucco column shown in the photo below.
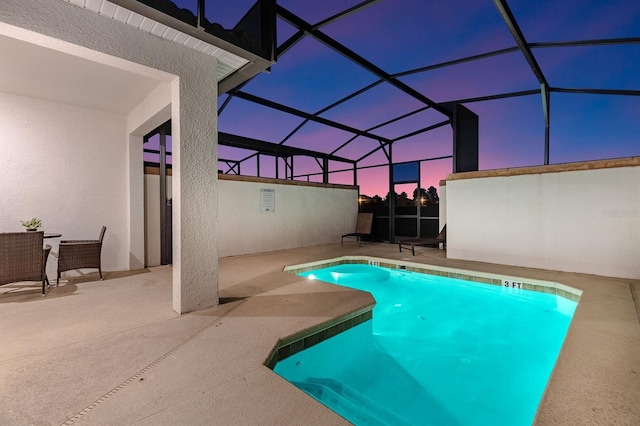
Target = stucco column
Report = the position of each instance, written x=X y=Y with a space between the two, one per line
x=195 y=179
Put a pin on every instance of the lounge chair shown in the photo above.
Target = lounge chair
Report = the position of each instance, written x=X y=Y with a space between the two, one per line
x=22 y=258
x=429 y=241
x=363 y=228
x=80 y=254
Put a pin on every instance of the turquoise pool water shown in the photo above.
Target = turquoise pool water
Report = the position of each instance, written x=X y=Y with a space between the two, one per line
x=438 y=351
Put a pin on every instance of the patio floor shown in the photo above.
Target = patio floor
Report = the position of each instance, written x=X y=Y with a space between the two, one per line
x=114 y=352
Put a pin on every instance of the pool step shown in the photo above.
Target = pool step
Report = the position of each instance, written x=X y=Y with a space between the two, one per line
x=349 y=403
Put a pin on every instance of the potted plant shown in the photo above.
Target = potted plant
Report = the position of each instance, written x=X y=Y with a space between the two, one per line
x=33 y=224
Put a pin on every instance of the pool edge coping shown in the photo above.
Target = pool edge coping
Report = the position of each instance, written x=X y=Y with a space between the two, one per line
x=541 y=286
x=311 y=336
x=303 y=339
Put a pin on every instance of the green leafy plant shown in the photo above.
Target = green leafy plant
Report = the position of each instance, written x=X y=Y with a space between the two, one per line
x=33 y=223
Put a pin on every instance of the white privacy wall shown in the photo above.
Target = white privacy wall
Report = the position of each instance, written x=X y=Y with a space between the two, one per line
x=74 y=188
x=304 y=216
x=584 y=221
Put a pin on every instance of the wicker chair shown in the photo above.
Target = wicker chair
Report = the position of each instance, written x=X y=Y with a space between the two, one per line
x=22 y=258
x=80 y=254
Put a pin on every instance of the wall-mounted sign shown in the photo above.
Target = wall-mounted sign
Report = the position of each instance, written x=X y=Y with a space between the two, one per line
x=267 y=200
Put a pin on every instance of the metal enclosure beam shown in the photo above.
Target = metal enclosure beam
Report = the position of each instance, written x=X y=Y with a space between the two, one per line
x=311 y=117
x=524 y=47
x=596 y=42
x=294 y=39
x=465 y=139
x=392 y=197
x=546 y=99
x=354 y=57
x=274 y=148
x=616 y=92
x=514 y=28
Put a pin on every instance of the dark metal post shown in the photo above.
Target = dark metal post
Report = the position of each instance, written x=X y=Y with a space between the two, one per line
x=355 y=174
x=392 y=198
x=544 y=90
x=419 y=201
x=163 y=197
x=465 y=139
x=291 y=169
x=325 y=170
x=201 y=13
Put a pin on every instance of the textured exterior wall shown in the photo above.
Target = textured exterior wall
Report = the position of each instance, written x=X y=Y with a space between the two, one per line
x=74 y=188
x=576 y=221
x=72 y=30
x=195 y=178
x=304 y=216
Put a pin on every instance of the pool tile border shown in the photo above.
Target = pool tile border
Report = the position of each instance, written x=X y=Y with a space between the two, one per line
x=549 y=287
x=314 y=335
x=309 y=337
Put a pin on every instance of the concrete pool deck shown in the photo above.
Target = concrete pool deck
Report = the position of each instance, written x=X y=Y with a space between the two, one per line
x=114 y=352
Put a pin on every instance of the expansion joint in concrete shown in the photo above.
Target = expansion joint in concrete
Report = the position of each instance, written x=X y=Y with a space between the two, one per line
x=139 y=376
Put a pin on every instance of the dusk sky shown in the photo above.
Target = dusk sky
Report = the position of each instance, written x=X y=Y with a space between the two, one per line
x=403 y=35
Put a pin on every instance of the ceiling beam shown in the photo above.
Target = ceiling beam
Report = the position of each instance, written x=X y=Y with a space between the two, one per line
x=345 y=12
x=290 y=42
x=354 y=57
x=597 y=42
x=294 y=39
x=393 y=120
x=497 y=96
x=306 y=115
x=457 y=61
x=423 y=130
x=514 y=28
x=333 y=105
x=264 y=147
x=619 y=92
x=524 y=47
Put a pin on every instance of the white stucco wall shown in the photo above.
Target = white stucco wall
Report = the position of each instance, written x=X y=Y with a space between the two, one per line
x=193 y=89
x=304 y=216
x=73 y=188
x=577 y=221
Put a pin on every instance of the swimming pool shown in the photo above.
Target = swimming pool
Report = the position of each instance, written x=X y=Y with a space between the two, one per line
x=438 y=351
